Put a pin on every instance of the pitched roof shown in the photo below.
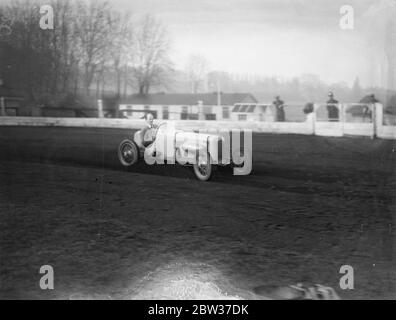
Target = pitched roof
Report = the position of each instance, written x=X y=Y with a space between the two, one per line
x=189 y=99
x=248 y=108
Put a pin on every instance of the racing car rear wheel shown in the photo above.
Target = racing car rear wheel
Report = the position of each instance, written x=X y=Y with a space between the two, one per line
x=128 y=153
x=203 y=169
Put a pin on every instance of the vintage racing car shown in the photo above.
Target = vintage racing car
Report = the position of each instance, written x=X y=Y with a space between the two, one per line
x=200 y=150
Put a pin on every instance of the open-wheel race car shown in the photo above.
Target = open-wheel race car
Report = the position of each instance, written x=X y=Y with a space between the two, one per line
x=200 y=150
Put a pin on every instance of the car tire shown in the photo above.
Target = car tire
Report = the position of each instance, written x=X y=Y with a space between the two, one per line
x=203 y=172
x=128 y=153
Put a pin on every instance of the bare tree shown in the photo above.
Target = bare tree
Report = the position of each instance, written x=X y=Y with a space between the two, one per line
x=196 y=71
x=91 y=45
x=43 y=60
x=61 y=46
x=65 y=54
x=93 y=32
x=28 y=45
x=121 y=45
x=152 y=66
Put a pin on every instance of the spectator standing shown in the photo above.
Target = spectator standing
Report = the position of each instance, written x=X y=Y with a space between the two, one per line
x=280 y=111
x=332 y=110
x=367 y=111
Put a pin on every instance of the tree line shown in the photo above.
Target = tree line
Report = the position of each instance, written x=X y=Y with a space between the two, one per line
x=92 y=48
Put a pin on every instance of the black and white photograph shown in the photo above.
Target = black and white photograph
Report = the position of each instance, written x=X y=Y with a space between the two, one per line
x=223 y=152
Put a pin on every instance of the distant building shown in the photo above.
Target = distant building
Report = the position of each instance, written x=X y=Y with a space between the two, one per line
x=252 y=112
x=183 y=106
x=79 y=107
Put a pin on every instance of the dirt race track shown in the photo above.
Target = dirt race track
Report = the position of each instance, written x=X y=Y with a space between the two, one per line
x=311 y=205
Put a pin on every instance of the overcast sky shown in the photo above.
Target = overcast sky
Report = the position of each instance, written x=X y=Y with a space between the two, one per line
x=285 y=38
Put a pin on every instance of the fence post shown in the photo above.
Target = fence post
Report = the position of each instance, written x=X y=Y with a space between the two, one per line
x=2 y=107
x=374 y=120
x=342 y=117
x=378 y=116
x=313 y=118
x=100 y=108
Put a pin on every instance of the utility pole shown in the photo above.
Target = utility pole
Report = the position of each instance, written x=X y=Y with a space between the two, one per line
x=100 y=108
x=201 y=112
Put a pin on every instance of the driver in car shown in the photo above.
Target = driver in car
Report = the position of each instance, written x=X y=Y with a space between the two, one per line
x=148 y=133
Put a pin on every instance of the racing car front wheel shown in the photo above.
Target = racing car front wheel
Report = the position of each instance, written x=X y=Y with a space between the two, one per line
x=128 y=153
x=203 y=169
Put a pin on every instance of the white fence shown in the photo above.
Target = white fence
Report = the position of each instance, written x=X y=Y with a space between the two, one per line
x=356 y=119
x=383 y=131
x=373 y=128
